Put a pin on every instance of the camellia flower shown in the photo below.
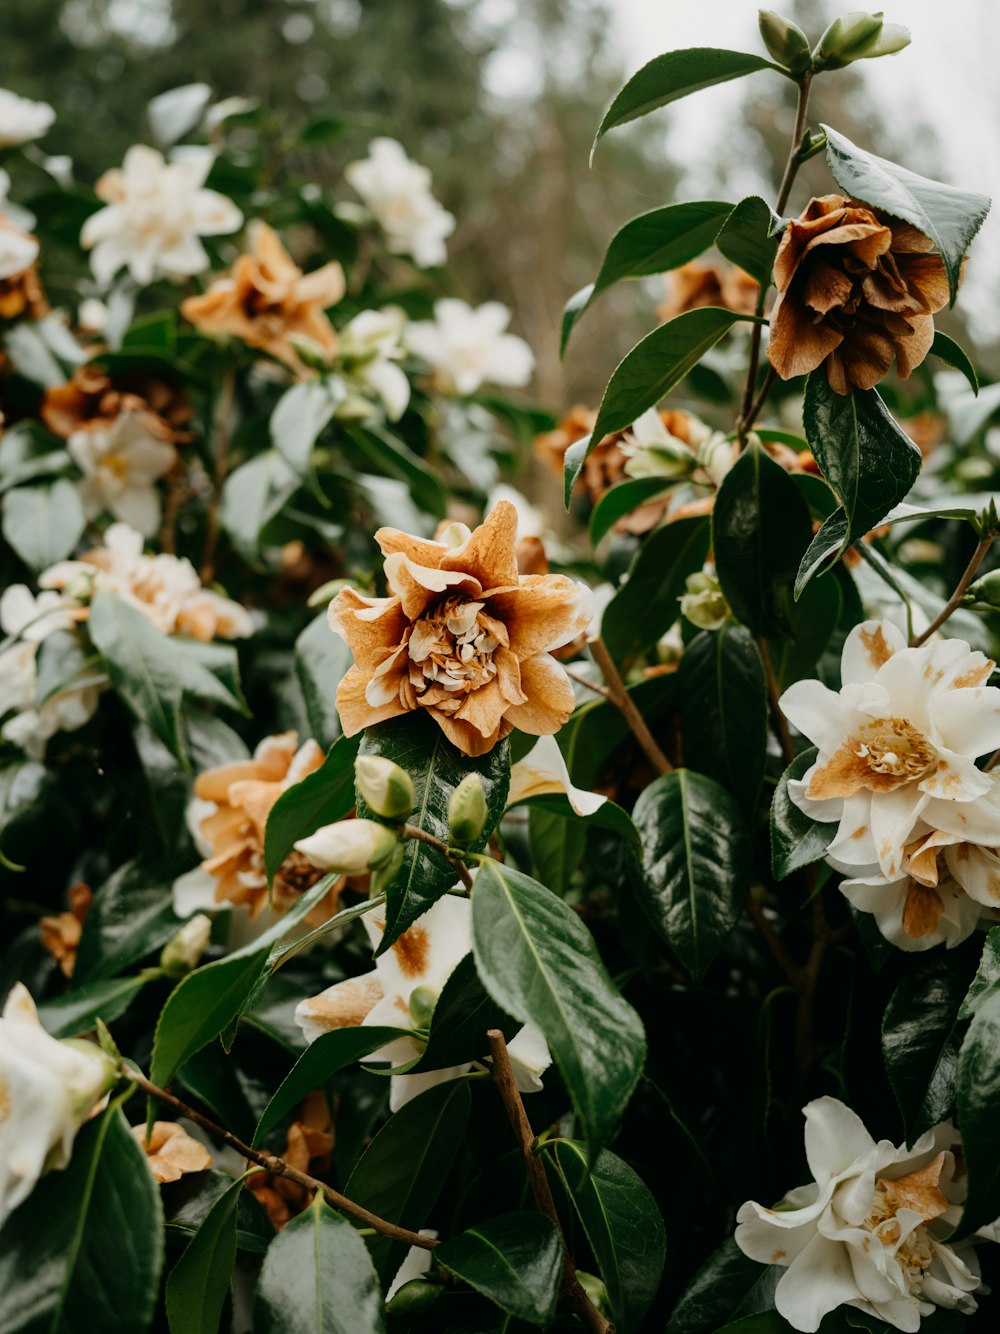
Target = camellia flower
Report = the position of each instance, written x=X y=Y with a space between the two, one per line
x=462 y=635
x=897 y=748
x=371 y=345
x=170 y=1151
x=701 y=282
x=308 y=1146
x=855 y=290
x=47 y=1090
x=93 y=398
x=267 y=301
x=227 y=817
x=401 y=992
x=397 y=193
x=21 y=119
x=868 y=1231
x=702 y=601
x=20 y=289
x=468 y=346
x=60 y=933
x=165 y=588
x=120 y=463
x=155 y=213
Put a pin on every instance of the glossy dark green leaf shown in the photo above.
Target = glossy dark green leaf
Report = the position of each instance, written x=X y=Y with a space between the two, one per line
x=253 y=494
x=977 y=1100
x=723 y=697
x=418 y=745
x=695 y=864
x=321 y=798
x=513 y=1259
x=394 y=456
x=557 y=847
x=677 y=74
x=950 y=217
x=63 y=663
x=539 y=962
x=986 y=982
x=648 y=603
x=623 y=1226
x=749 y=238
x=727 y=1287
x=921 y=1036
x=21 y=784
x=131 y=916
x=199 y=1282
x=68 y=1263
x=662 y=239
x=573 y=462
x=955 y=355
x=623 y=499
x=403 y=1171
x=796 y=840
x=322 y=659
x=77 y=1012
x=43 y=523
x=300 y=417
x=760 y=529
x=317 y=1276
x=824 y=550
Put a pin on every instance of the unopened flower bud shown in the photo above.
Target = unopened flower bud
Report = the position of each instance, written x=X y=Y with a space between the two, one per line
x=349 y=847
x=96 y=1074
x=421 y=1006
x=467 y=811
x=985 y=591
x=182 y=953
x=354 y=408
x=79 y=588
x=785 y=41
x=384 y=875
x=414 y=1296
x=384 y=786
x=309 y=352
x=702 y=601
x=858 y=36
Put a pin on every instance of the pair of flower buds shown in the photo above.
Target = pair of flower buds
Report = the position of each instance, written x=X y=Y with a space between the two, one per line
x=357 y=846
x=855 y=36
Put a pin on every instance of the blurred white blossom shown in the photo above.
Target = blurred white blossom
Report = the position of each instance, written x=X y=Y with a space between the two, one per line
x=121 y=460
x=370 y=346
x=397 y=192
x=22 y=120
x=468 y=346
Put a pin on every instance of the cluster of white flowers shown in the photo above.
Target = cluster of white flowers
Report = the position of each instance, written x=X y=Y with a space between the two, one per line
x=467 y=346
x=918 y=821
x=371 y=346
x=397 y=192
x=869 y=1230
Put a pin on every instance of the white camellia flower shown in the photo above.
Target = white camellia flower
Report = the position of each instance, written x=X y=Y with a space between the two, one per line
x=155 y=213
x=652 y=451
x=371 y=345
x=468 y=346
x=47 y=1090
x=18 y=250
x=542 y=772
x=21 y=119
x=897 y=748
x=868 y=1231
x=397 y=192
x=120 y=462
x=401 y=992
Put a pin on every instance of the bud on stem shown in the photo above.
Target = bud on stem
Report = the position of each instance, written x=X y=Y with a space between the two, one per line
x=467 y=811
x=384 y=787
x=785 y=41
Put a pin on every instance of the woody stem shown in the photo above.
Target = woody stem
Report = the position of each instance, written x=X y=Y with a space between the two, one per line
x=503 y=1077
x=278 y=1166
x=421 y=835
x=952 y=604
x=625 y=705
x=778 y=719
x=223 y=422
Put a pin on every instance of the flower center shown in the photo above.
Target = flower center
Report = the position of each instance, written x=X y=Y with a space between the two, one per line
x=894 y=747
x=451 y=653
x=915 y=1253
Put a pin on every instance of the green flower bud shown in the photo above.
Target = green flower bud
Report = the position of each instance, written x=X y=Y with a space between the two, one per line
x=384 y=786
x=180 y=954
x=384 y=875
x=421 y=1006
x=785 y=41
x=414 y=1296
x=467 y=811
x=985 y=592
x=310 y=353
x=702 y=601
x=91 y=1078
x=350 y=847
x=858 y=36
x=595 y=1290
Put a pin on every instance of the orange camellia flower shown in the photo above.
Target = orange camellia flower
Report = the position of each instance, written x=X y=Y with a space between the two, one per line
x=171 y=1152
x=61 y=932
x=266 y=299
x=855 y=290
x=21 y=291
x=703 y=283
x=308 y=1146
x=462 y=635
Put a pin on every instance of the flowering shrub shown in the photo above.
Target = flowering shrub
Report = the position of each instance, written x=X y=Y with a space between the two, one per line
x=419 y=921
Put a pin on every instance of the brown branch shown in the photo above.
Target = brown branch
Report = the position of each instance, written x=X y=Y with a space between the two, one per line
x=503 y=1076
x=271 y=1163
x=421 y=835
x=774 y=943
x=598 y=689
x=223 y=423
x=625 y=705
x=778 y=719
x=952 y=604
x=761 y=399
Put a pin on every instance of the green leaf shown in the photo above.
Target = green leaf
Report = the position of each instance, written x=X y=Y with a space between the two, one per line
x=948 y=350
x=623 y=499
x=674 y=75
x=920 y=1042
x=796 y=840
x=322 y=797
x=986 y=982
x=824 y=550
x=418 y=745
x=723 y=698
x=395 y=457
x=317 y=1277
x=695 y=864
x=726 y=1287
x=760 y=529
x=558 y=843
x=299 y=418
x=539 y=962
x=623 y=1226
x=749 y=238
x=63 y=663
x=21 y=785
x=199 y=1282
x=77 y=1012
x=43 y=523
x=252 y=495
x=573 y=462
x=948 y=216
x=85 y=1249
x=322 y=659
x=403 y=1171
x=131 y=916
x=977 y=1099
x=648 y=603
x=515 y=1260
x=662 y=239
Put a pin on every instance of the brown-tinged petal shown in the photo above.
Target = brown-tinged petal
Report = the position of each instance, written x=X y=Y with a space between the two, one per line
x=368 y=626
x=925 y=275
x=912 y=348
x=490 y=552
x=922 y=910
x=353 y=708
x=909 y=240
x=538 y=613
x=468 y=738
x=509 y=675
x=171 y=1152
x=391 y=540
x=344 y=1005
x=861 y=360
x=255 y=799
x=550 y=697
x=797 y=344
x=483 y=708
x=826 y=288
x=417 y=586
x=323 y=287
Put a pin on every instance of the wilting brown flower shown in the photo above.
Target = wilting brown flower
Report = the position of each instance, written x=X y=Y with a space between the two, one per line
x=171 y=1151
x=21 y=291
x=308 y=1147
x=462 y=635
x=61 y=932
x=231 y=827
x=703 y=283
x=93 y=398
x=266 y=299
x=855 y=290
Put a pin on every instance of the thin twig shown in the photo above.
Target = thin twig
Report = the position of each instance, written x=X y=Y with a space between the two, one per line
x=761 y=398
x=223 y=424
x=952 y=604
x=774 y=943
x=503 y=1076
x=595 y=686
x=278 y=1166
x=778 y=719
x=421 y=835
x=625 y=705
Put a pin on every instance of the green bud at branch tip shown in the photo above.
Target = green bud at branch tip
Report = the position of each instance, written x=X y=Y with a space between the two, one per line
x=467 y=811
x=384 y=787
